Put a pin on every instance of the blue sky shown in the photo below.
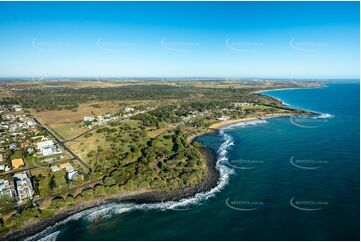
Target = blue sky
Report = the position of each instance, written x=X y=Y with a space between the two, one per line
x=180 y=39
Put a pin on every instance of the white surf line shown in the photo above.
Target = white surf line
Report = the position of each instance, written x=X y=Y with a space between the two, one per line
x=108 y=210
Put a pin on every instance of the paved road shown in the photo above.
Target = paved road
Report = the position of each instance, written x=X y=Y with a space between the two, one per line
x=21 y=169
x=94 y=128
x=103 y=125
x=63 y=145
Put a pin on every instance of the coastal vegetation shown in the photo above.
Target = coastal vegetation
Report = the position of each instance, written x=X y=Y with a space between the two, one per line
x=137 y=136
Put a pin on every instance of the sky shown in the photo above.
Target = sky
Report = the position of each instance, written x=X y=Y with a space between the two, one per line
x=180 y=39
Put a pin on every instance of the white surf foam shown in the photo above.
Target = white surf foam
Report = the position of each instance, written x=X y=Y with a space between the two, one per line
x=51 y=237
x=324 y=116
x=108 y=210
x=247 y=123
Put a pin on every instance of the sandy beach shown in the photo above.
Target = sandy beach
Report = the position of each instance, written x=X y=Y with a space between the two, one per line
x=241 y=120
x=142 y=196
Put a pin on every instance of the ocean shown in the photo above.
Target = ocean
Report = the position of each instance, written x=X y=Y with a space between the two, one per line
x=287 y=178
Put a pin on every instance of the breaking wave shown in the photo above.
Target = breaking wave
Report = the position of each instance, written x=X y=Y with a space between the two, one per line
x=323 y=116
x=50 y=237
x=108 y=210
x=242 y=124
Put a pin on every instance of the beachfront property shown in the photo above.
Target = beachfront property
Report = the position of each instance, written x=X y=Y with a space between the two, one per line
x=24 y=187
x=17 y=163
x=223 y=118
x=47 y=148
x=7 y=188
x=72 y=174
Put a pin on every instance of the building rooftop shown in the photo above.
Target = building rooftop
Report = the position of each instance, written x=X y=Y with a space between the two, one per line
x=17 y=163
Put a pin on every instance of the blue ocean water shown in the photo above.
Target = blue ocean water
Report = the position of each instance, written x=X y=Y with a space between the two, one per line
x=282 y=179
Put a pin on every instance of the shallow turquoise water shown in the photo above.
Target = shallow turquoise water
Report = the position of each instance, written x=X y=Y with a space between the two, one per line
x=293 y=179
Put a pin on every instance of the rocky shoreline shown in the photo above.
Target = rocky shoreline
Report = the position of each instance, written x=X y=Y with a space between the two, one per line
x=207 y=184
x=142 y=196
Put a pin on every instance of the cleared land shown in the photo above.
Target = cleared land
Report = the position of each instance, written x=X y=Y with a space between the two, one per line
x=149 y=151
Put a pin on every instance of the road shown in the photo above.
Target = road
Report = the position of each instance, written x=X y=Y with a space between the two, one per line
x=65 y=147
x=106 y=124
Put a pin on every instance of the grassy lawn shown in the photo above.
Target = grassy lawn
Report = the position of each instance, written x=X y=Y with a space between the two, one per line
x=59 y=183
x=44 y=171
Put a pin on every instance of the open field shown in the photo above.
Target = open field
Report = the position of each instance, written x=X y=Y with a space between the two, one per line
x=68 y=130
x=77 y=115
x=69 y=83
x=148 y=150
x=4 y=93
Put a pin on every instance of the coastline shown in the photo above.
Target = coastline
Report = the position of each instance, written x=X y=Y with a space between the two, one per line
x=227 y=123
x=293 y=88
x=144 y=196
x=141 y=196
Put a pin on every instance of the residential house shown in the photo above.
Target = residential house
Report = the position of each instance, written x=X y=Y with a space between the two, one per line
x=48 y=147
x=13 y=146
x=67 y=166
x=4 y=168
x=8 y=116
x=44 y=144
x=55 y=168
x=71 y=173
x=24 y=145
x=223 y=118
x=17 y=108
x=128 y=110
x=88 y=119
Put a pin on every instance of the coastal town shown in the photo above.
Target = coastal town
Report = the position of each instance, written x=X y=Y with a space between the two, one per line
x=26 y=150
x=57 y=154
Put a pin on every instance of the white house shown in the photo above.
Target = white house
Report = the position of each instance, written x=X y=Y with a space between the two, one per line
x=44 y=144
x=4 y=168
x=31 y=123
x=50 y=150
x=47 y=147
x=17 y=108
x=55 y=168
x=73 y=175
x=88 y=119
x=223 y=118
x=128 y=110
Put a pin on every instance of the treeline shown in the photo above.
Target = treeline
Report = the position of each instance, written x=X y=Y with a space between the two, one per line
x=69 y=98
